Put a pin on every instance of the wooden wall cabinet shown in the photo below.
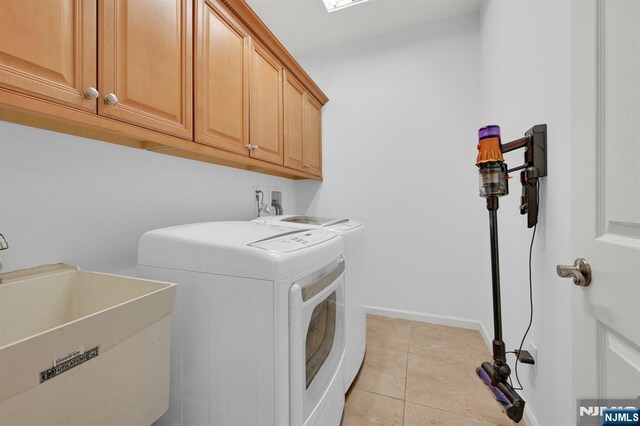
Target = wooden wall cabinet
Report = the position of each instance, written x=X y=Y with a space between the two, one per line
x=294 y=103
x=144 y=58
x=266 y=134
x=302 y=128
x=200 y=79
x=145 y=64
x=312 y=136
x=239 y=99
x=222 y=79
x=57 y=60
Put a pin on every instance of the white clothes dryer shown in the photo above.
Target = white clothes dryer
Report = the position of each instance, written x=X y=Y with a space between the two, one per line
x=258 y=331
x=356 y=328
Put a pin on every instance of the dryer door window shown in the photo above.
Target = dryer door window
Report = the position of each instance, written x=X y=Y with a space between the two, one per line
x=320 y=336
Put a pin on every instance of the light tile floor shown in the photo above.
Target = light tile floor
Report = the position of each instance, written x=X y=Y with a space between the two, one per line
x=417 y=374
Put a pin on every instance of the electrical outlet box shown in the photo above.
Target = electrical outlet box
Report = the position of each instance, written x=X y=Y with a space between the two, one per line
x=533 y=350
x=275 y=197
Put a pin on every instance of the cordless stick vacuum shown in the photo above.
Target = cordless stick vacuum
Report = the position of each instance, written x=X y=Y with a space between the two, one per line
x=494 y=183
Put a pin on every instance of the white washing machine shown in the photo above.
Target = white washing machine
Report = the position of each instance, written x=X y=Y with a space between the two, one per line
x=258 y=331
x=356 y=327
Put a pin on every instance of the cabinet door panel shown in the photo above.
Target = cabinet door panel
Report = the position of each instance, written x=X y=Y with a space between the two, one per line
x=146 y=61
x=48 y=49
x=313 y=136
x=222 y=79
x=266 y=106
x=294 y=102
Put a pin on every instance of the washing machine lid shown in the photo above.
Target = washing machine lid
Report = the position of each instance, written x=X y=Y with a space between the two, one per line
x=339 y=225
x=243 y=249
x=311 y=220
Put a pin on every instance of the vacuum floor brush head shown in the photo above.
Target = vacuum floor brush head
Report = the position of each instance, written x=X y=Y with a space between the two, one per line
x=510 y=402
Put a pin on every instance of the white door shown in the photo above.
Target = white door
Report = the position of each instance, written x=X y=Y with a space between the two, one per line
x=606 y=215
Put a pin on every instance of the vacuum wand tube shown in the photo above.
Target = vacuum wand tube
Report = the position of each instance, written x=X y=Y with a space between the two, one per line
x=499 y=355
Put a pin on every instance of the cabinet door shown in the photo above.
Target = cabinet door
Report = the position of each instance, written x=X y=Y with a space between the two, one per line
x=145 y=62
x=48 y=49
x=313 y=136
x=294 y=102
x=266 y=106
x=222 y=79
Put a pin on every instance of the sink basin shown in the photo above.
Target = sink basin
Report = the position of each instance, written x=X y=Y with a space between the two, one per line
x=79 y=347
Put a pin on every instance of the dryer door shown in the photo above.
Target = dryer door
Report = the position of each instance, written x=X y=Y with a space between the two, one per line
x=316 y=341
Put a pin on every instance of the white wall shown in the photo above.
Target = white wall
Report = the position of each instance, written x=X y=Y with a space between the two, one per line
x=400 y=139
x=85 y=202
x=526 y=79
x=400 y=132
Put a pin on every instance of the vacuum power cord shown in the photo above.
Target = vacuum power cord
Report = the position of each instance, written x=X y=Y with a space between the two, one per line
x=517 y=354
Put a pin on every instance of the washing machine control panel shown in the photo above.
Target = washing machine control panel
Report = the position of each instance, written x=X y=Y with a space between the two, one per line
x=294 y=241
x=344 y=226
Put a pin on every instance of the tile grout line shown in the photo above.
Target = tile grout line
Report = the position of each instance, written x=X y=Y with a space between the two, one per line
x=451 y=412
x=406 y=378
x=386 y=396
x=482 y=419
x=386 y=348
x=379 y=394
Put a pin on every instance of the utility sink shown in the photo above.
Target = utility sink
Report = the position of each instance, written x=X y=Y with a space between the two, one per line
x=83 y=348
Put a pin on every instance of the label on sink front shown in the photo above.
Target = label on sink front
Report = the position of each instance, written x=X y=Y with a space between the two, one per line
x=68 y=356
x=67 y=365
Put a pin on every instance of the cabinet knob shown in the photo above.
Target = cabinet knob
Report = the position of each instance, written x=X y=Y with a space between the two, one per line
x=254 y=147
x=248 y=146
x=91 y=93
x=111 y=98
x=306 y=166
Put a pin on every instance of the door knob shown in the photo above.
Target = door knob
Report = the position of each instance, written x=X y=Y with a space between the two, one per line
x=91 y=93
x=580 y=271
x=111 y=98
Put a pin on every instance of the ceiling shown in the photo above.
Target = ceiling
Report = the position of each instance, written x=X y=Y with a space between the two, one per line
x=305 y=26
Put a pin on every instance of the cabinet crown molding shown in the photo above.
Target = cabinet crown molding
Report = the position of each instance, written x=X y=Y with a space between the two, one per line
x=258 y=29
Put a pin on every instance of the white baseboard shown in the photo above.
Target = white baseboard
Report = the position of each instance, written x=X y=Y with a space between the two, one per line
x=529 y=417
x=451 y=321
